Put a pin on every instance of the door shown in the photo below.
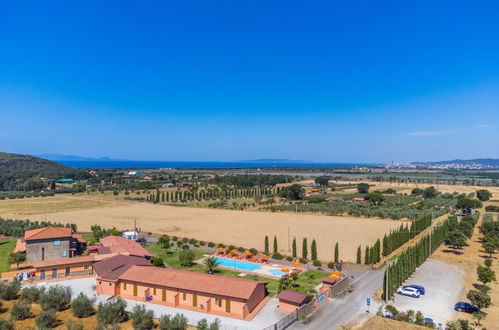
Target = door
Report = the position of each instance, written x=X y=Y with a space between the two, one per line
x=194 y=300
x=42 y=274
x=135 y=290
x=43 y=253
x=163 y=295
x=54 y=272
x=227 y=306
x=68 y=271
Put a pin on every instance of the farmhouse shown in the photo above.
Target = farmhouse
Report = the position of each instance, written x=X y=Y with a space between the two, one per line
x=120 y=245
x=50 y=243
x=226 y=296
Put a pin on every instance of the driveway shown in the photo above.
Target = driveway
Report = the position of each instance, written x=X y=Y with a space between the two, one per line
x=266 y=317
x=442 y=283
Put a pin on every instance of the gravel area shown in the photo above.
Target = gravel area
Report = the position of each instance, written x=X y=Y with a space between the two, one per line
x=442 y=283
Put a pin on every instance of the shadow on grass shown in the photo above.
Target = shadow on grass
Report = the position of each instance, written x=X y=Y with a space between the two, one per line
x=452 y=251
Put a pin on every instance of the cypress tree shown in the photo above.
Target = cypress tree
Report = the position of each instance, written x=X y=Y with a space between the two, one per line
x=163 y=196
x=385 y=246
x=359 y=257
x=275 y=244
x=313 y=248
x=304 y=249
x=294 y=248
x=366 y=256
x=266 y=249
x=336 y=252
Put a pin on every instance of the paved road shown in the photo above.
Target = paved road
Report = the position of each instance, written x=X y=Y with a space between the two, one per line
x=338 y=311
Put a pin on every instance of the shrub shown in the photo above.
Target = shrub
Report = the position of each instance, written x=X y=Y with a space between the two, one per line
x=46 y=319
x=186 y=257
x=331 y=265
x=303 y=261
x=288 y=258
x=178 y=322
x=21 y=310
x=488 y=262
x=6 y=324
x=74 y=325
x=317 y=263
x=253 y=251
x=185 y=240
x=158 y=262
x=220 y=245
x=174 y=238
x=142 y=318
x=56 y=297
x=32 y=294
x=277 y=255
x=112 y=312
x=193 y=241
x=211 y=244
x=9 y=291
x=202 y=243
x=82 y=306
x=203 y=325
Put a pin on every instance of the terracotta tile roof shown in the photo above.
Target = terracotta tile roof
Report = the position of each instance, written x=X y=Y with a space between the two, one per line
x=47 y=233
x=62 y=261
x=294 y=297
x=20 y=246
x=79 y=238
x=118 y=244
x=94 y=247
x=111 y=268
x=329 y=280
x=192 y=281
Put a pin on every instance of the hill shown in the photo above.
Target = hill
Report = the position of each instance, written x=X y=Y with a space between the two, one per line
x=487 y=162
x=16 y=169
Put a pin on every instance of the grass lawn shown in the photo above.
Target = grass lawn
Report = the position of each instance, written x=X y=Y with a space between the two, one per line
x=306 y=282
x=6 y=248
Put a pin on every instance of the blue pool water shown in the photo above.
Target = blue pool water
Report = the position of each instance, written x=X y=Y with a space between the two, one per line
x=242 y=265
x=277 y=272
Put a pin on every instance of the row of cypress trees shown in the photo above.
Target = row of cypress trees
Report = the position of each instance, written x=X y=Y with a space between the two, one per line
x=413 y=257
x=402 y=235
x=313 y=249
x=179 y=195
x=372 y=254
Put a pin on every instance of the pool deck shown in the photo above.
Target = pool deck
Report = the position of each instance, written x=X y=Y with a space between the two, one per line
x=264 y=270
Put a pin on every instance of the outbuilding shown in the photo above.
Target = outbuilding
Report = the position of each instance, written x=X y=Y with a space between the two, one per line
x=290 y=300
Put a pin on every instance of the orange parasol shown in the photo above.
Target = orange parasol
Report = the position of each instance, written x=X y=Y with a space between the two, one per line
x=220 y=249
x=248 y=253
x=337 y=273
x=264 y=256
x=333 y=276
x=296 y=264
x=234 y=251
x=285 y=270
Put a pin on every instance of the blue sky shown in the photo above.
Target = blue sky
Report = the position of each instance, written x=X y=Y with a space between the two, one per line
x=233 y=80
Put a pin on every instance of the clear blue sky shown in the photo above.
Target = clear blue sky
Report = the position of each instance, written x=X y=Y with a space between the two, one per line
x=343 y=81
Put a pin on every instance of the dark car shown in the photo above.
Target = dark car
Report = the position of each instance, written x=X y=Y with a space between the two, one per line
x=418 y=287
x=466 y=307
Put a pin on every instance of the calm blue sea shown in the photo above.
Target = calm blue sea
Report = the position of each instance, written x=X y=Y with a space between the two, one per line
x=174 y=164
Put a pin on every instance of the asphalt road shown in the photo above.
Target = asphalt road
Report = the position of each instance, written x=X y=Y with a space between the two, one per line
x=340 y=310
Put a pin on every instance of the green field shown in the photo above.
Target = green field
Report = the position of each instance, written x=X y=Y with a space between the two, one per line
x=306 y=282
x=6 y=248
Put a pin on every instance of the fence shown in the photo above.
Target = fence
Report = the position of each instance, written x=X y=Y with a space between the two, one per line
x=292 y=317
x=340 y=287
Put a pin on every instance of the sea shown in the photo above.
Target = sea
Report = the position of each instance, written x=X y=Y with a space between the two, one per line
x=194 y=164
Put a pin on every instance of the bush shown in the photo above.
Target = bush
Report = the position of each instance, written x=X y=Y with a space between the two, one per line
x=317 y=263
x=6 y=324
x=32 y=294
x=186 y=257
x=74 y=325
x=288 y=258
x=56 y=297
x=158 y=262
x=488 y=262
x=142 y=318
x=202 y=243
x=253 y=251
x=112 y=312
x=9 y=291
x=46 y=319
x=303 y=261
x=178 y=322
x=82 y=306
x=211 y=244
x=277 y=255
x=331 y=265
x=203 y=325
x=21 y=310
x=220 y=245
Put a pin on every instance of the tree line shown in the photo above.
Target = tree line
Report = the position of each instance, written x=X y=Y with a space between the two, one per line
x=16 y=228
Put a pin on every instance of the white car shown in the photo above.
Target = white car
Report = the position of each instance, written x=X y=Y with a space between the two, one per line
x=408 y=291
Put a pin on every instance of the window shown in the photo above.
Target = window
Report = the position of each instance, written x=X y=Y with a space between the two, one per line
x=194 y=300
x=85 y=267
x=163 y=295
x=68 y=271
x=124 y=286
x=227 y=306
x=57 y=242
x=218 y=302
x=154 y=291
x=184 y=295
x=64 y=253
x=135 y=289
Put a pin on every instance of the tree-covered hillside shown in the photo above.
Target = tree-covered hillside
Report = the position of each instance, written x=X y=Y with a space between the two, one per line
x=23 y=172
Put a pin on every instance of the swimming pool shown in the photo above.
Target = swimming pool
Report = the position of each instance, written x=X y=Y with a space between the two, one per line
x=277 y=272
x=237 y=264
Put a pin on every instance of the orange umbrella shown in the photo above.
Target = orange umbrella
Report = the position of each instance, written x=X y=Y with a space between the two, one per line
x=337 y=273
x=296 y=264
x=264 y=256
x=333 y=276
x=285 y=270
x=248 y=253
x=234 y=251
x=220 y=249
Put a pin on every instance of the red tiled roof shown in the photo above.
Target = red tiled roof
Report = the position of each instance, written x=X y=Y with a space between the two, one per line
x=79 y=238
x=192 y=281
x=47 y=233
x=117 y=244
x=111 y=268
x=94 y=247
x=329 y=280
x=62 y=261
x=20 y=246
x=294 y=297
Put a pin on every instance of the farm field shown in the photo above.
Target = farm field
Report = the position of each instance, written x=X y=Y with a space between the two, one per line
x=240 y=228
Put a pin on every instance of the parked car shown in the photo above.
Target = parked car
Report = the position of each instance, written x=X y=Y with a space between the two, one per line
x=466 y=307
x=418 y=287
x=407 y=291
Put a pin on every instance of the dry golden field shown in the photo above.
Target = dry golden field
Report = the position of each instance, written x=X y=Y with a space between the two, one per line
x=240 y=228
